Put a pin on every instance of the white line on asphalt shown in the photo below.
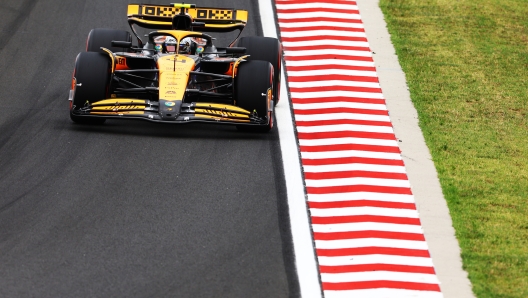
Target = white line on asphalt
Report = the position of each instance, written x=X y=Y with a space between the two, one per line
x=322 y=23
x=354 y=167
x=356 y=181
x=339 y=104
x=344 y=141
x=375 y=259
x=369 y=242
x=344 y=62
x=325 y=42
x=325 y=52
x=344 y=127
x=380 y=292
x=319 y=14
x=305 y=260
x=367 y=226
x=355 y=196
x=318 y=5
x=311 y=33
x=379 y=275
x=333 y=83
x=319 y=94
x=331 y=71
x=344 y=115
x=376 y=211
x=350 y=153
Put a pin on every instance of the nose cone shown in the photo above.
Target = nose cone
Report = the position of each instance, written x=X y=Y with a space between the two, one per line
x=169 y=110
x=174 y=76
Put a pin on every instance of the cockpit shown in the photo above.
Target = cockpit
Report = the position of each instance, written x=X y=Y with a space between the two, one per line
x=167 y=44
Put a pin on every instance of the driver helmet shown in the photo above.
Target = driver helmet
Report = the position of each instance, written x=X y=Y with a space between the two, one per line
x=170 y=44
x=185 y=45
x=158 y=43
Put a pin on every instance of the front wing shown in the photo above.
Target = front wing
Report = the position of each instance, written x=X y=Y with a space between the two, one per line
x=128 y=108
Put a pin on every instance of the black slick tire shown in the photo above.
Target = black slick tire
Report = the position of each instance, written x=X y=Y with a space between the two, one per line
x=254 y=80
x=266 y=49
x=101 y=37
x=92 y=75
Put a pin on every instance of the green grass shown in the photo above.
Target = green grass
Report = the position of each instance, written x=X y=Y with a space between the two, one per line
x=466 y=64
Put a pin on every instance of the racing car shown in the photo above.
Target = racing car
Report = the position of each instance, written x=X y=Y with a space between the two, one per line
x=176 y=74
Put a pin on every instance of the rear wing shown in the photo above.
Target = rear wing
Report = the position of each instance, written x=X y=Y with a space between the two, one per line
x=152 y=16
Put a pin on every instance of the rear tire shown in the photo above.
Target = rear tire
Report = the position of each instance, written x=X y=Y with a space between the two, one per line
x=99 y=37
x=254 y=79
x=266 y=49
x=92 y=74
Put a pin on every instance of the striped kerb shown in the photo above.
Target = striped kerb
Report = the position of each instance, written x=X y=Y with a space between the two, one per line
x=366 y=229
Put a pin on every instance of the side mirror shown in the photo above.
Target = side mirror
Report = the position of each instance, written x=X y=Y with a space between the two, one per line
x=122 y=44
x=235 y=50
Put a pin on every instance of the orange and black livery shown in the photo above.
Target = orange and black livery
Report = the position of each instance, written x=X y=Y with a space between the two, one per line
x=176 y=74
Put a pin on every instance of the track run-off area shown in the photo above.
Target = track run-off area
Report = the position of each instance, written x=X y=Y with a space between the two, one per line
x=366 y=229
x=365 y=226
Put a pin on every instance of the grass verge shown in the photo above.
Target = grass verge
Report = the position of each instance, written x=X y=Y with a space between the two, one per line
x=466 y=64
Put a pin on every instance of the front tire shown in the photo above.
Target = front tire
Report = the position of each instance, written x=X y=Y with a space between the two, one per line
x=253 y=82
x=92 y=75
x=100 y=37
x=266 y=49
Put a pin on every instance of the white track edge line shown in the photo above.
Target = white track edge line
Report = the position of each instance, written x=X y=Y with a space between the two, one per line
x=382 y=292
x=303 y=245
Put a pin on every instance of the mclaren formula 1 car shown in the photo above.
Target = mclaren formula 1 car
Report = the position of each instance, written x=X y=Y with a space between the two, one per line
x=176 y=74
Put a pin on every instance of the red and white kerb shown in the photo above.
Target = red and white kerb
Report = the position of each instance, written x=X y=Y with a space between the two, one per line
x=366 y=229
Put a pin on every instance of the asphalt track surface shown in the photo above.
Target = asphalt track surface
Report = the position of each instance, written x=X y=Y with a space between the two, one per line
x=130 y=208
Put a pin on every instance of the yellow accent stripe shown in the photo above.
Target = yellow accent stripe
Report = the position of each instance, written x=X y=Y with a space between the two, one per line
x=222 y=118
x=222 y=25
x=222 y=114
x=229 y=108
x=118 y=108
x=120 y=101
x=111 y=57
x=151 y=22
x=215 y=26
x=181 y=5
x=242 y=15
x=235 y=65
x=119 y=113
x=133 y=9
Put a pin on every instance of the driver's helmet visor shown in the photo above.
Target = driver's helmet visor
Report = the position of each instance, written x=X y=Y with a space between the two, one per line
x=170 y=44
